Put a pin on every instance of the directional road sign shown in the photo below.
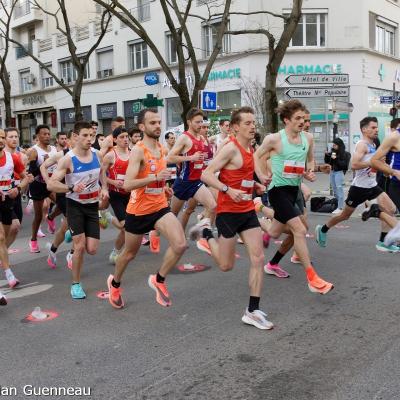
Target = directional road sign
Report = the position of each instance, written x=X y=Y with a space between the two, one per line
x=318 y=79
x=208 y=101
x=297 y=93
x=387 y=99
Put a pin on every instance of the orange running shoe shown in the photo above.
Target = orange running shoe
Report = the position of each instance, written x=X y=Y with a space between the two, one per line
x=258 y=205
x=154 y=241
x=318 y=285
x=162 y=295
x=295 y=259
x=203 y=245
x=114 y=294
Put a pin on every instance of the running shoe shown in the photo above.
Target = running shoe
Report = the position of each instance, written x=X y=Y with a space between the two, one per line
x=393 y=235
x=51 y=225
x=295 y=259
x=3 y=300
x=68 y=236
x=69 y=260
x=381 y=246
x=103 y=221
x=52 y=258
x=320 y=236
x=203 y=245
x=154 y=241
x=11 y=279
x=145 y=241
x=266 y=239
x=29 y=208
x=258 y=205
x=77 y=293
x=257 y=318
x=34 y=246
x=113 y=256
x=318 y=285
x=114 y=294
x=196 y=230
x=372 y=212
x=40 y=233
x=276 y=270
x=162 y=295
x=337 y=211
x=239 y=240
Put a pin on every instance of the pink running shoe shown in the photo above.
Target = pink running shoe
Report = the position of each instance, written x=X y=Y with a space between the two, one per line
x=276 y=270
x=40 y=233
x=29 y=207
x=33 y=246
x=51 y=225
x=145 y=241
x=266 y=239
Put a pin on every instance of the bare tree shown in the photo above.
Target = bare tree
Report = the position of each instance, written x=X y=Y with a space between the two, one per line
x=79 y=62
x=177 y=22
x=4 y=75
x=276 y=52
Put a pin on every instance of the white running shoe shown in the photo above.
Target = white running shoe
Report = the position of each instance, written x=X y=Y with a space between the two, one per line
x=3 y=300
x=393 y=235
x=52 y=257
x=113 y=256
x=11 y=279
x=196 y=230
x=40 y=233
x=257 y=318
x=337 y=211
x=69 y=260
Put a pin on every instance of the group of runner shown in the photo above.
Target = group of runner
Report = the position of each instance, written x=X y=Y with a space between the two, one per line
x=248 y=195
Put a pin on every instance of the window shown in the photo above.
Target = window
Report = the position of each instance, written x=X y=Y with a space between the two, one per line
x=210 y=31
x=47 y=79
x=138 y=55
x=143 y=8
x=171 y=49
x=105 y=62
x=68 y=72
x=311 y=31
x=384 y=38
x=25 y=80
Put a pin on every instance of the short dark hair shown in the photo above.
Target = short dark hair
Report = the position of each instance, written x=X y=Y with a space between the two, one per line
x=117 y=131
x=39 y=127
x=365 y=121
x=132 y=131
x=94 y=123
x=142 y=114
x=78 y=126
x=194 y=112
x=236 y=115
x=222 y=121
x=394 y=123
x=11 y=129
x=118 y=119
x=288 y=108
x=168 y=134
x=58 y=134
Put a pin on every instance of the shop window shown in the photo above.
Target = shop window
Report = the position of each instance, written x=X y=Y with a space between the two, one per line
x=105 y=63
x=47 y=79
x=138 y=55
x=311 y=31
x=209 y=38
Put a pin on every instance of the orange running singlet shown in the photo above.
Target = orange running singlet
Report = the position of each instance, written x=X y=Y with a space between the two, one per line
x=151 y=198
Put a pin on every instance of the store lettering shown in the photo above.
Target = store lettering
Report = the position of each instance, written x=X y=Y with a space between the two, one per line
x=225 y=74
x=310 y=69
x=34 y=99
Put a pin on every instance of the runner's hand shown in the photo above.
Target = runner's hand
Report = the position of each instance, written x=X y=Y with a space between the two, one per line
x=169 y=192
x=198 y=156
x=325 y=168
x=309 y=175
x=118 y=183
x=260 y=189
x=104 y=195
x=31 y=178
x=163 y=175
x=235 y=194
x=265 y=179
x=79 y=187
x=13 y=193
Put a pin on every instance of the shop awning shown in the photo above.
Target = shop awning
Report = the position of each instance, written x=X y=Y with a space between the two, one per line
x=19 y=112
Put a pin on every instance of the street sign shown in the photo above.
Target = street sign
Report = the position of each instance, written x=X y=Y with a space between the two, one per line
x=208 y=101
x=318 y=79
x=387 y=99
x=337 y=105
x=298 y=93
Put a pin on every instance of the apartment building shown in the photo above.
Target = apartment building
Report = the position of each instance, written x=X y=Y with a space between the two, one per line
x=359 y=38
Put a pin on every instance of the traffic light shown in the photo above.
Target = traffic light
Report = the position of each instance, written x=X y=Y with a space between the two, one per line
x=393 y=111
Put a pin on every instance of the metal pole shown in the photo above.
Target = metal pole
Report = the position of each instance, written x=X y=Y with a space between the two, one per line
x=394 y=100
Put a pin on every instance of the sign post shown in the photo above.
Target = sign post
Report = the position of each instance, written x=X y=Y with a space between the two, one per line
x=208 y=100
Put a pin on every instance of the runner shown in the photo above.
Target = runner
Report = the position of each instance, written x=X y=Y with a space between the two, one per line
x=116 y=163
x=188 y=184
x=224 y=133
x=292 y=158
x=9 y=164
x=81 y=168
x=61 y=141
x=364 y=187
x=235 y=210
x=37 y=189
x=134 y=136
x=148 y=209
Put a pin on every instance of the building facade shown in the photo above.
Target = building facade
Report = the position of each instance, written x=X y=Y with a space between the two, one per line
x=362 y=42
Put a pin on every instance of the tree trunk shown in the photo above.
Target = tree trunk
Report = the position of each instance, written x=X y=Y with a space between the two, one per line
x=76 y=99
x=271 y=100
x=5 y=80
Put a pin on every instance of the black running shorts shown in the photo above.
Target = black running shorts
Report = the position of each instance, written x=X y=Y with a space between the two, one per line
x=6 y=211
x=61 y=203
x=283 y=200
x=17 y=212
x=83 y=218
x=141 y=224
x=394 y=193
x=119 y=202
x=358 y=195
x=38 y=190
x=229 y=224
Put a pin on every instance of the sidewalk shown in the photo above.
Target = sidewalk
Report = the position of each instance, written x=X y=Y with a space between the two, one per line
x=322 y=184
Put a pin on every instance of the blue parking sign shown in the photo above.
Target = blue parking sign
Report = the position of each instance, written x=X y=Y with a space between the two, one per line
x=208 y=101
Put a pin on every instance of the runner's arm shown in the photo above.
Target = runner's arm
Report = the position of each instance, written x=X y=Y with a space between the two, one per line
x=103 y=176
x=261 y=157
x=377 y=159
x=359 y=153
x=108 y=162
x=48 y=163
x=310 y=154
x=54 y=184
x=181 y=146
x=106 y=145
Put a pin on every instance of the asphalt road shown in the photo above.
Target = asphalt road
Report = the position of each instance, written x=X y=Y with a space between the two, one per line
x=344 y=345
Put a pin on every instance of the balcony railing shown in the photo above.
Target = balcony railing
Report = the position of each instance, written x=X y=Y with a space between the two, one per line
x=105 y=73
x=22 y=9
x=21 y=52
x=82 y=33
x=45 y=44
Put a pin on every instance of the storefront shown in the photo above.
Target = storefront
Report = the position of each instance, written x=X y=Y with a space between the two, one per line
x=67 y=117
x=131 y=112
x=105 y=114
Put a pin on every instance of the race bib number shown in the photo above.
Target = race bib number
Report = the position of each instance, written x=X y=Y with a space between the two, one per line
x=293 y=169
x=154 y=188
x=120 y=177
x=198 y=165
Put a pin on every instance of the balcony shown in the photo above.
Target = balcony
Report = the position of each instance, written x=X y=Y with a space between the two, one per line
x=20 y=52
x=25 y=13
x=45 y=44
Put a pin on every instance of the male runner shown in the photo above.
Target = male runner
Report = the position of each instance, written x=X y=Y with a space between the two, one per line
x=37 y=189
x=224 y=132
x=61 y=141
x=134 y=136
x=81 y=168
x=115 y=163
x=235 y=210
x=148 y=209
x=364 y=187
x=292 y=158
x=9 y=165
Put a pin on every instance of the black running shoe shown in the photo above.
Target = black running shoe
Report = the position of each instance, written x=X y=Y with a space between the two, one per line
x=372 y=212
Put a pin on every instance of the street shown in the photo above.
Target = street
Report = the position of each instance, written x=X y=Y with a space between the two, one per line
x=344 y=345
